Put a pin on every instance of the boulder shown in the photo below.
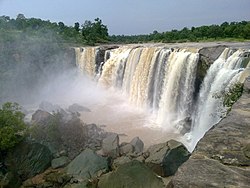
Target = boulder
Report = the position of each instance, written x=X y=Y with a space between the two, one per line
x=126 y=148
x=28 y=159
x=221 y=157
x=77 y=108
x=121 y=160
x=165 y=158
x=87 y=165
x=110 y=145
x=59 y=162
x=41 y=117
x=131 y=175
x=49 y=107
x=204 y=172
x=138 y=144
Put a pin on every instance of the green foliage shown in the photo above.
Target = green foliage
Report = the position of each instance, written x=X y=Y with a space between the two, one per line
x=233 y=95
x=236 y=31
x=94 y=32
x=11 y=125
x=48 y=132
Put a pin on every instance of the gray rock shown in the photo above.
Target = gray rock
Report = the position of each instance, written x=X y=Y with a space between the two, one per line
x=221 y=157
x=131 y=175
x=29 y=159
x=77 y=108
x=110 y=145
x=59 y=162
x=138 y=145
x=121 y=160
x=209 y=173
x=165 y=158
x=49 y=107
x=87 y=165
x=126 y=149
x=41 y=117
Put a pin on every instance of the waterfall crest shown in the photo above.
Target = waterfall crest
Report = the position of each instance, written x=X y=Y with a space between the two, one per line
x=162 y=80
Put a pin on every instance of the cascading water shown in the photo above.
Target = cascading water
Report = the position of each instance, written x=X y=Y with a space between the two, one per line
x=86 y=60
x=162 y=80
x=222 y=75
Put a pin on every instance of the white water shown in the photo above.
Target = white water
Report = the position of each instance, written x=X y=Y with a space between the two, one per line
x=159 y=83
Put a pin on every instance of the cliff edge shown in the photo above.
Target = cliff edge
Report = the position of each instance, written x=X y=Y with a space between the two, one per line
x=222 y=156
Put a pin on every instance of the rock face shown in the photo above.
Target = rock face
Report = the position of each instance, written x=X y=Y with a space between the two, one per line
x=138 y=145
x=59 y=162
x=28 y=159
x=41 y=117
x=110 y=145
x=207 y=56
x=221 y=158
x=131 y=175
x=87 y=165
x=164 y=159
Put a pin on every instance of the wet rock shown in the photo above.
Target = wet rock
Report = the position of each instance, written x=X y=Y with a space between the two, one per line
x=41 y=117
x=87 y=165
x=28 y=159
x=49 y=107
x=77 y=108
x=59 y=162
x=110 y=145
x=184 y=125
x=121 y=160
x=138 y=145
x=131 y=175
x=126 y=148
x=165 y=158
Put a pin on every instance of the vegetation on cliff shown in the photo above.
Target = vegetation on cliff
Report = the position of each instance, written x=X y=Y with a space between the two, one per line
x=12 y=125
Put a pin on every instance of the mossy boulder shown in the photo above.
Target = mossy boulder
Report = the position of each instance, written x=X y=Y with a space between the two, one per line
x=131 y=175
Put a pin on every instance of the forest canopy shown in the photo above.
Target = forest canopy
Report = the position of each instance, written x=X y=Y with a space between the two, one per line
x=95 y=32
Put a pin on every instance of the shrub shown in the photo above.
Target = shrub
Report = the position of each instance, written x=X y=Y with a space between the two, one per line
x=12 y=125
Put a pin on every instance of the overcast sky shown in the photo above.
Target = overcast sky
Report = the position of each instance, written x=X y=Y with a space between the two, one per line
x=132 y=16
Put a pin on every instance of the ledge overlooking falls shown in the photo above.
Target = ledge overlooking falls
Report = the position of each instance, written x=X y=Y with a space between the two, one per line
x=222 y=156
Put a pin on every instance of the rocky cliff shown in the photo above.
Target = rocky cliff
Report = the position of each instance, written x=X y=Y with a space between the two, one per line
x=222 y=156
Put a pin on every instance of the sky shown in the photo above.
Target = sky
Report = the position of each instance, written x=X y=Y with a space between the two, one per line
x=131 y=17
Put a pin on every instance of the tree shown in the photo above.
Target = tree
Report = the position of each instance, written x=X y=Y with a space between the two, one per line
x=11 y=125
x=77 y=27
x=94 y=31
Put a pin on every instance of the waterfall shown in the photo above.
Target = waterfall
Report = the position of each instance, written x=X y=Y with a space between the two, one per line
x=162 y=81
x=86 y=60
x=222 y=75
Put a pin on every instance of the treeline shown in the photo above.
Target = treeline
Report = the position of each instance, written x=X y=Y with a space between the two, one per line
x=88 y=33
x=92 y=33
x=226 y=31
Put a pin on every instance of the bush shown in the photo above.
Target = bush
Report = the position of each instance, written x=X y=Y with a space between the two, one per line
x=12 y=125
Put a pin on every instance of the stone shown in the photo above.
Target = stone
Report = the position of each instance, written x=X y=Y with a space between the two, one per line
x=165 y=158
x=121 y=160
x=28 y=159
x=209 y=173
x=131 y=175
x=49 y=107
x=110 y=145
x=138 y=144
x=126 y=149
x=77 y=108
x=87 y=165
x=41 y=117
x=221 y=157
x=59 y=162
